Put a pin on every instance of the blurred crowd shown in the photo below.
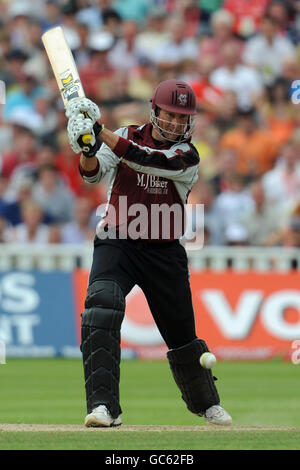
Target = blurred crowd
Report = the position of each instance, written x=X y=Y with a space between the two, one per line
x=240 y=56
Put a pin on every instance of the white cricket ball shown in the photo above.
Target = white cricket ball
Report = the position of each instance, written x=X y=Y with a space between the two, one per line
x=208 y=360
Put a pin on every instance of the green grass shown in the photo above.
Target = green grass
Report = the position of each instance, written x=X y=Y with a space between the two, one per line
x=51 y=391
x=168 y=440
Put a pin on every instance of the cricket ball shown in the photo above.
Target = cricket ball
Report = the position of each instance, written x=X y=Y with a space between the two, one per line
x=208 y=360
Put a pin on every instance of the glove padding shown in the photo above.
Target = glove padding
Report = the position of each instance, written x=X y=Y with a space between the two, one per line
x=79 y=125
x=77 y=106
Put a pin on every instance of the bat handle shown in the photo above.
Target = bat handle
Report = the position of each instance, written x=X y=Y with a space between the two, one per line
x=86 y=138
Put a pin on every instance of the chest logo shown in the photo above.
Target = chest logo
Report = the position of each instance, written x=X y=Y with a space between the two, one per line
x=152 y=184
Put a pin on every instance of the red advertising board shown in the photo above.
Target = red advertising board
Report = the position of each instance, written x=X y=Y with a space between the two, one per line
x=247 y=315
x=240 y=315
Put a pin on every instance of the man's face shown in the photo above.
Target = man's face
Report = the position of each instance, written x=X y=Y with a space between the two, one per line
x=268 y=29
x=172 y=124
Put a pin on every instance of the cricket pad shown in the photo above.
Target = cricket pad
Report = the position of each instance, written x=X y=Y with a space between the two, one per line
x=100 y=344
x=197 y=385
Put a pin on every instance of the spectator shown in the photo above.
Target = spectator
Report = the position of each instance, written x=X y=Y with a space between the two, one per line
x=80 y=229
x=14 y=68
x=263 y=219
x=117 y=93
x=289 y=236
x=227 y=163
x=112 y=21
x=282 y=183
x=52 y=194
x=191 y=12
x=23 y=154
x=278 y=112
x=178 y=49
x=123 y=55
x=36 y=65
x=235 y=76
x=282 y=13
x=11 y=211
x=4 y=230
x=53 y=15
x=142 y=80
x=136 y=10
x=247 y=15
x=208 y=7
x=233 y=202
x=222 y=33
x=268 y=51
x=209 y=97
x=255 y=147
x=227 y=112
x=67 y=165
x=3 y=190
x=24 y=96
x=236 y=235
x=19 y=14
x=291 y=68
x=45 y=155
x=202 y=194
x=69 y=24
x=206 y=140
x=155 y=34
x=89 y=14
x=31 y=229
x=47 y=115
x=97 y=72
x=82 y=53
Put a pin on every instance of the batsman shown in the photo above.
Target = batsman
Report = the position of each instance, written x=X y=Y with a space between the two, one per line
x=152 y=164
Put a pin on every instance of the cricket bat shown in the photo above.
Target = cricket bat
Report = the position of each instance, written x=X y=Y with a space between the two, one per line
x=64 y=69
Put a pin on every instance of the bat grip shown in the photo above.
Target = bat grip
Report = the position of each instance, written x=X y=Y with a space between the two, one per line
x=86 y=138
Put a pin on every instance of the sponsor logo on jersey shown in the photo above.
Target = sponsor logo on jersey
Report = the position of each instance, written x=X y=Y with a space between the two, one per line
x=152 y=184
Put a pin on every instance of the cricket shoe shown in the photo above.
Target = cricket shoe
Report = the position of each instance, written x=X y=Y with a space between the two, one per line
x=217 y=415
x=101 y=417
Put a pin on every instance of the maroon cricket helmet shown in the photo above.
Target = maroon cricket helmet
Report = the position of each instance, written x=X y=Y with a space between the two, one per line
x=175 y=96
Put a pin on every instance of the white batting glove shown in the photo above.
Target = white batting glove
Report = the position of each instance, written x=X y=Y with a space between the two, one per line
x=77 y=106
x=79 y=125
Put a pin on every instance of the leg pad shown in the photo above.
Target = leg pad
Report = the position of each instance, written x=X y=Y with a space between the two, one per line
x=100 y=344
x=195 y=383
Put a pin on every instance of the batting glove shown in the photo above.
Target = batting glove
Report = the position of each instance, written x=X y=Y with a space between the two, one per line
x=77 y=106
x=77 y=127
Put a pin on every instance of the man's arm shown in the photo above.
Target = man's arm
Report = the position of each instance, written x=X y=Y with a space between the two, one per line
x=177 y=163
x=91 y=163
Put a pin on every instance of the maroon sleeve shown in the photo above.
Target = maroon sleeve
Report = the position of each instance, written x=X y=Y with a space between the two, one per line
x=145 y=156
x=121 y=147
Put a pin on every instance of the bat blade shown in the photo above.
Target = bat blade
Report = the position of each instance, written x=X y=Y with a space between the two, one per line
x=64 y=67
x=63 y=64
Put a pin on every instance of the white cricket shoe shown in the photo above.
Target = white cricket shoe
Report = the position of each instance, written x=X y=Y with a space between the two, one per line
x=217 y=415
x=101 y=417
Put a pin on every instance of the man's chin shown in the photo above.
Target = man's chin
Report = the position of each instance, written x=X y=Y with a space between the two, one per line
x=169 y=136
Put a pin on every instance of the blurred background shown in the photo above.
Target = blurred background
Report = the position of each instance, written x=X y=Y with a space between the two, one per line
x=241 y=58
